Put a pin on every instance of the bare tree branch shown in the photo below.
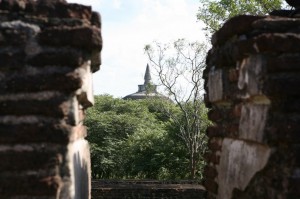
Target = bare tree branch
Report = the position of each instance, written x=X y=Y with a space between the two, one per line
x=180 y=69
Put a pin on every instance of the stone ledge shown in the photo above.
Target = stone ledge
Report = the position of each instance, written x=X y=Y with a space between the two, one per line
x=146 y=190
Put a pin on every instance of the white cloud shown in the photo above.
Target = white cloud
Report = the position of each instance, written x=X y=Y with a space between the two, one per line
x=117 y=4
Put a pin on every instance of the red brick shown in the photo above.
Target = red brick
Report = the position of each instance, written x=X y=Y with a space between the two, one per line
x=283 y=63
x=232 y=129
x=58 y=80
x=233 y=75
x=211 y=196
x=210 y=157
x=18 y=161
x=236 y=111
x=294 y=188
x=211 y=186
x=88 y=38
x=214 y=131
x=235 y=26
x=57 y=57
x=214 y=145
x=31 y=184
x=54 y=107
x=41 y=131
x=214 y=115
x=210 y=172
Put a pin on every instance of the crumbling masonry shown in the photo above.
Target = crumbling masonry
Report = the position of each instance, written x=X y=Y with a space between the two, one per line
x=252 y=81
x=48 y=51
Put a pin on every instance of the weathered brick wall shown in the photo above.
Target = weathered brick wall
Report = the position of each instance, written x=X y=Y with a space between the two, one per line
x=252 y=81
x=48 y=51
x=143 y=189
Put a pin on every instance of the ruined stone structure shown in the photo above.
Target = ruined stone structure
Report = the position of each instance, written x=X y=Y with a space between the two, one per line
x=150 y=189
x=252 y=81
x=48 y=51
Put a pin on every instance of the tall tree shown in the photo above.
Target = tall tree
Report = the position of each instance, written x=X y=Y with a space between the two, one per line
x=215 y=12
x=179 y=69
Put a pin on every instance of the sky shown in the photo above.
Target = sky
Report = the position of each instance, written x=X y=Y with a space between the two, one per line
x=127 y=26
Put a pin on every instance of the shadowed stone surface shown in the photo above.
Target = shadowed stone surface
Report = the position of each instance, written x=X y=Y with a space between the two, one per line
x=252 y=83
x=240 y=161
x=48 y=51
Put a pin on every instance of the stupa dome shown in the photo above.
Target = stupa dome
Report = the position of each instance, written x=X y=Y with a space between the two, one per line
x=146 y=90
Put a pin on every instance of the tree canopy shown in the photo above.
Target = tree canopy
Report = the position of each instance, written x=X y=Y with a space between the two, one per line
x=135 y=140
x=215 y=12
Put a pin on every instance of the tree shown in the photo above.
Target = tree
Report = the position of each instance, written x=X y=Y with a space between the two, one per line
x=215 y=12
x=133 y=140
x=179 y=69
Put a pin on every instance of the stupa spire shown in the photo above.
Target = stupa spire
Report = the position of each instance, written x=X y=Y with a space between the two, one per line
x=147 y=76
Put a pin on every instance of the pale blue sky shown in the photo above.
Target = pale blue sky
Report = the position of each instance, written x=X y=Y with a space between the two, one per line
x=127 y=26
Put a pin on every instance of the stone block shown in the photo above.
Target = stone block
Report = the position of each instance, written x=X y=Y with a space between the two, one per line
x=283 y=63
x=214 y=131
x=17 y=32
x=251 y=74
x=96 y=19
x=80 y=171
x=233 y=75
x=211 y=185
x=53 y=79
x=276 y=24
x=95 y=60
x=11 y=59
x=29 y=157
x=85 y=94
x=34 y=132
x=283 y=84
x=78 y=132
x=56 y=106
x=294 y=188
x=31 y=170
x=284 y=127
x=215 y=115
x=221 y=57
x=61 y=9
x=215 y=144
x=268 y=43
x=29 y=185
x=236 y=111
x=212 y=158
x=57 y=57
x=73 y=115
x=210 y=172
x=253 y=122
x=235 y=26
x=239 y=162
x=88 y=38
x=215 y=85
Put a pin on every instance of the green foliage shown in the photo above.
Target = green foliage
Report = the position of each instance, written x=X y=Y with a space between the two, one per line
x=135 y=140
x=215 y=12
x=195 y=134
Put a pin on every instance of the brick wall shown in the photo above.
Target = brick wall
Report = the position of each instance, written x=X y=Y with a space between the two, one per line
x=252 y=81
x=143 y=189
x=48 y=51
